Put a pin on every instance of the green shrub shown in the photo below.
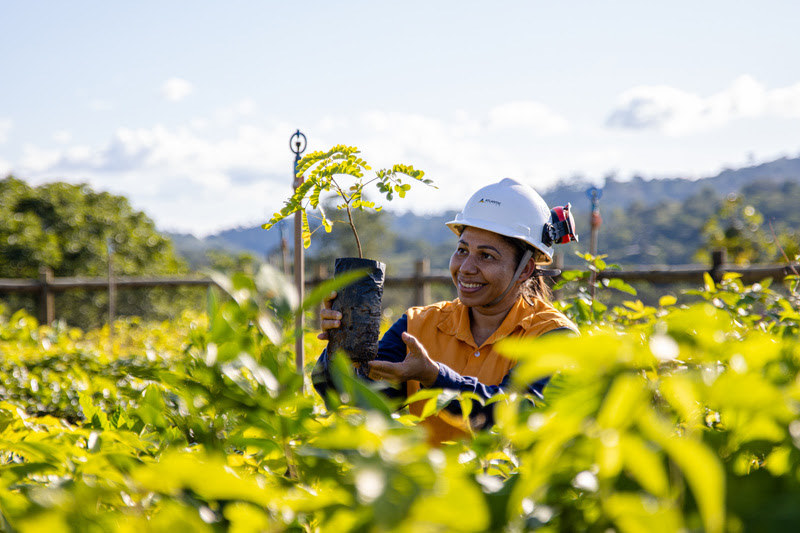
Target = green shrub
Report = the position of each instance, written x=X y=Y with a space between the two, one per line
x=657 y=418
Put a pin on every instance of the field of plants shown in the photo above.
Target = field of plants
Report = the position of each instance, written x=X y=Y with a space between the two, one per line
x=668 y=418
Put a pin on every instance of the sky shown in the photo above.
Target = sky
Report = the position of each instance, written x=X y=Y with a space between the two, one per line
x=186 y=107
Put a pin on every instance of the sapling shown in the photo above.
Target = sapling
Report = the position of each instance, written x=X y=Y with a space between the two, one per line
x=342 y=172
x=326 y=172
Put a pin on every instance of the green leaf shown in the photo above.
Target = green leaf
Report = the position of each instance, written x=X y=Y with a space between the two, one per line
x=324 y=289
x=616 y=283
x=700 y=466
x=644 y=464
x=359 y=392
x=638 y=513
x=708 y=281
x=306 y=231
x=624 y=398
x=667 y=300
x=457 y=505
x=207 y=476
x=569 y=275
x=87 y=405
x=434 y=405
x=421 y=395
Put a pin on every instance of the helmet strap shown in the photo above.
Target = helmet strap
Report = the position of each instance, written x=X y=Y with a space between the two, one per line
x=522 y=264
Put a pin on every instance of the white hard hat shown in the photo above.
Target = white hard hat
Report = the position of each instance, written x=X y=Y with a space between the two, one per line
x=508 y=208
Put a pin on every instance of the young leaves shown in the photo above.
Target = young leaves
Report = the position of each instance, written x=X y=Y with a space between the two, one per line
x=330 y=172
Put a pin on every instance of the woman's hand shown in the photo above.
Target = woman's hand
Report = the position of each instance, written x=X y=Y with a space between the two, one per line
x=417 y=365
x=328 y=318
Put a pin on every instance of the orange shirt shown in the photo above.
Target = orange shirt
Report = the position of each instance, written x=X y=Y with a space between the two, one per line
x=444 y=330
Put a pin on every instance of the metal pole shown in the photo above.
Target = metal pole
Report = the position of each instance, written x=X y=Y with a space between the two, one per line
x=558 y=264
x=284 y=248
x=595 y=221
x=297 y=143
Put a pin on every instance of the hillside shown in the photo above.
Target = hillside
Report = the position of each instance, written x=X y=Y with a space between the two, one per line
x=645 y=221
x=622 y=193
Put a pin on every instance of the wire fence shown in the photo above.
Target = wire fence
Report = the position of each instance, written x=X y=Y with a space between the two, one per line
x=47 y=286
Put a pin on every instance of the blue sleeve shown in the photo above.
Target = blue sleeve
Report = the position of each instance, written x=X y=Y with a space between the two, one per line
x=483 y=416
x=450 y=379
x=390 y=348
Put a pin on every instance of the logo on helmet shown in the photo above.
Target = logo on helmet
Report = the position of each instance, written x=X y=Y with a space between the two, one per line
x=488 y=201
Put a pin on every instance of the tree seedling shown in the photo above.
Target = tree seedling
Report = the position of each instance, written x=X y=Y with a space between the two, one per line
x=331 y=171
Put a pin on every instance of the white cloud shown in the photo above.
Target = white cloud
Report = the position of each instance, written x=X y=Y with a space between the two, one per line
x=531 y=116
x=229 y=168
x=5 y=127
x=677 y=112
x=35 y=160
x=62 y=136
x=99 y=104
x=211 y=174
x=232 y=114
x=176 y=89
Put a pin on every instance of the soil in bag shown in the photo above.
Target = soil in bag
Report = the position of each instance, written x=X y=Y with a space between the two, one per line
x=360 y=305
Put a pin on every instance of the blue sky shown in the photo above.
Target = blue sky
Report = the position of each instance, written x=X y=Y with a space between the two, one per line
x=187 y=107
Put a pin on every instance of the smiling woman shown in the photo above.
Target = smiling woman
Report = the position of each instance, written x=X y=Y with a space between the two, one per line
x=505 y=232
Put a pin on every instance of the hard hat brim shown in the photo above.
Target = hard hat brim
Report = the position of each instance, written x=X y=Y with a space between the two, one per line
x=523 y=233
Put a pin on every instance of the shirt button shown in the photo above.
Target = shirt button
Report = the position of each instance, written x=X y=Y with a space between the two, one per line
x=477 y=354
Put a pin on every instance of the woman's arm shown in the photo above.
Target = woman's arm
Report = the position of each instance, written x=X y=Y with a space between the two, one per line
x=450 y=379
x=483 y=415
x=391 y=348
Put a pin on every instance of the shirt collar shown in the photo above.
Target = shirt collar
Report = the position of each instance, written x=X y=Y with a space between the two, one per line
x=456 y=322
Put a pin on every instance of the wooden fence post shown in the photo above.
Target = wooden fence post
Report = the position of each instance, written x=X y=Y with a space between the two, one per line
x=112 y=290
x=718 y=260
x=422 y=292
x=47 y=301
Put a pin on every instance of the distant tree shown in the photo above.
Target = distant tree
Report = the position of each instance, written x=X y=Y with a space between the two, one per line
x=228 y=263
x=684 y=231
x=778 y=202
x=739 y=228
x=667 y=232
x=68 y=228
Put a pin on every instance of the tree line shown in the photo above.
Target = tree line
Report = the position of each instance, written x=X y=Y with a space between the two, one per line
x=71 y=228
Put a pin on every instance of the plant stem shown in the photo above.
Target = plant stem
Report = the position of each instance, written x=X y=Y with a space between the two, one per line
x=353 y=227
x=347 y=201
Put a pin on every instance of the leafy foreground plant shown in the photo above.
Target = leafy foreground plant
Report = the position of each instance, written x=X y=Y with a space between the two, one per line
x=680 y=418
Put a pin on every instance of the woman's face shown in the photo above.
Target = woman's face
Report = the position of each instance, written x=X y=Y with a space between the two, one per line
x=482 y=267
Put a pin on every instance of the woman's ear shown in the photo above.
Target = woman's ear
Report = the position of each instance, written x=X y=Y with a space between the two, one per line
x=528 y=271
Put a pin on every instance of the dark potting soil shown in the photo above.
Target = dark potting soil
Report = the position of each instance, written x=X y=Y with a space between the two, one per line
x=360 y=305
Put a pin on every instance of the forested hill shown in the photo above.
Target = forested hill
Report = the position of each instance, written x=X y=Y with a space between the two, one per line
x=618 y=193
x=645 y=221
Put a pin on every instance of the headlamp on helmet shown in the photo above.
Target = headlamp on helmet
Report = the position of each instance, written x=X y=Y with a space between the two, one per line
x=561 y=228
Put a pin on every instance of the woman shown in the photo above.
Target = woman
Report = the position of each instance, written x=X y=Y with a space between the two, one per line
x=504 y=231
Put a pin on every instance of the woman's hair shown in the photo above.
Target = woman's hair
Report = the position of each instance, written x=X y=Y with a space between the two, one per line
x=534 y=286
